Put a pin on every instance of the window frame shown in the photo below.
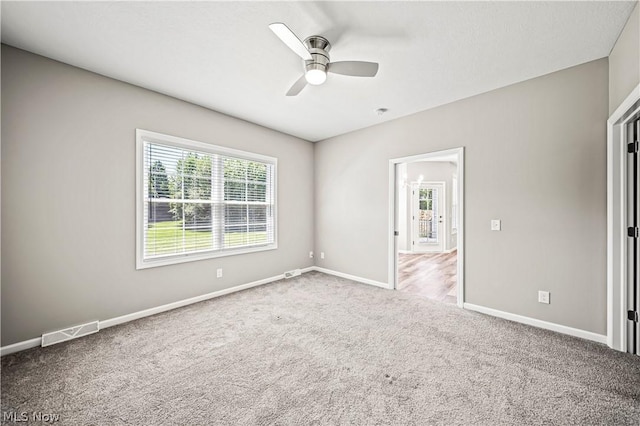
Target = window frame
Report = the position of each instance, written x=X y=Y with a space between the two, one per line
x=143 y=136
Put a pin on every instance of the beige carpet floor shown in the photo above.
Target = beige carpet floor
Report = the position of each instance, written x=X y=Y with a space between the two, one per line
x=323 y=350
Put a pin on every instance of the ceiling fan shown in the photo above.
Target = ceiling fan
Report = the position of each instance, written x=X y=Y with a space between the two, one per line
x=315 y=53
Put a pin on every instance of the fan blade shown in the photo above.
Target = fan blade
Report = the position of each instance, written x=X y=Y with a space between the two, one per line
x=297 y=87
x=289 y=38
x=354 y=68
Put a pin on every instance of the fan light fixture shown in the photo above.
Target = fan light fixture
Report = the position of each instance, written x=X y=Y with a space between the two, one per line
x=314 y=51
x=315 y=77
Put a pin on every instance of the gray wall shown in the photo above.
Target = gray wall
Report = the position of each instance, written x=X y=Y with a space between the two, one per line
x=624 y=62
x=68 y=197
x=535 y=157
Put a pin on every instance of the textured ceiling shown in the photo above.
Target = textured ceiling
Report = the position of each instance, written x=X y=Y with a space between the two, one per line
x=222 y=55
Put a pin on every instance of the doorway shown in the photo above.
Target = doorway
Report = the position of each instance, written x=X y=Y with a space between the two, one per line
x=429 y=210
x=426 y=224
x=623 y=292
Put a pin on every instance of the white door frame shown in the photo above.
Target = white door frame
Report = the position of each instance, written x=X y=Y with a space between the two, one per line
x=616 y=219
x=442 y=226
x=393 y=191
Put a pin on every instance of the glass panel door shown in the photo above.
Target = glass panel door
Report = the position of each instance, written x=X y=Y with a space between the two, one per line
x=428 y=214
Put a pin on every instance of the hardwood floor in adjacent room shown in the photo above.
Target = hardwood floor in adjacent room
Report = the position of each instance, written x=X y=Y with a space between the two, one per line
x=431 y=275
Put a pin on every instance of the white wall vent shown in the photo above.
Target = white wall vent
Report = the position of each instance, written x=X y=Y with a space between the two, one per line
x=70 y=333
x=291 y=274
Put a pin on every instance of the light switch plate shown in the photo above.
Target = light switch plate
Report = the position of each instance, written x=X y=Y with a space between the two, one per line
x=544 y=297
x=496 y=225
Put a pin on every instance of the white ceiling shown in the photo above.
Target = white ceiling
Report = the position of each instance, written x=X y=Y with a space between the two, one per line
x=223 y=56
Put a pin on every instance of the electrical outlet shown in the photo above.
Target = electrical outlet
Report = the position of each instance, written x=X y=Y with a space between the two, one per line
x=219 y=273
x=310 y=255
x=321 y=255
x=543 y=297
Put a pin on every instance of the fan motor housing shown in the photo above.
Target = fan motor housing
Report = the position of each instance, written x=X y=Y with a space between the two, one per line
x=318 y=47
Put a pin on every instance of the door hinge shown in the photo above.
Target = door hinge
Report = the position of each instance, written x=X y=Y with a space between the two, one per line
x=632 y=147
x=633 y=316
x=413 y=243
x=632 y=232
x=396 y=233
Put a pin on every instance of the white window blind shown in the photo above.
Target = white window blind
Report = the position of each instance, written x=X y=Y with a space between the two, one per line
x=200 y=201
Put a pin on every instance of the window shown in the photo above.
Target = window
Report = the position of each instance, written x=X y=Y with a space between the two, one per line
x=197 y=201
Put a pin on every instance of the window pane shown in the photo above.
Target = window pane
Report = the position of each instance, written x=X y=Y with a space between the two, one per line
x=256 y=172
x=158 y=181
x=196 y=188
x=158 y=212
x=235 y=191
x=235 y=236
x=198 y=229
x=257 y=234
x=235 y=169
x=197 y=216
x=235 y=214
x=257 y=192
x=163 y=237
x=167 y=236
x=194 y=164
x=257 y=214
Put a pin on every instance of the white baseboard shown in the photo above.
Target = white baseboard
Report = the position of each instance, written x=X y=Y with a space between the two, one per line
x=351 y=277
x=32 y=343
x=179 y=304
x=405 y=251
x=20 y=346
x=588 y=335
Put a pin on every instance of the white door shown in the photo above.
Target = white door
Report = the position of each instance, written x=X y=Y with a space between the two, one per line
x=428 y=217
x=633 y=240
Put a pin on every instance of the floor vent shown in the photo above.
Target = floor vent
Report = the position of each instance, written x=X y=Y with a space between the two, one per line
x=54 y=337
x=291 y=274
